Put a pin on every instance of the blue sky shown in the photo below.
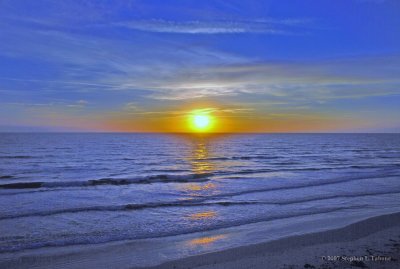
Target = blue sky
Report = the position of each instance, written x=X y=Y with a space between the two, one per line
x=138 y=65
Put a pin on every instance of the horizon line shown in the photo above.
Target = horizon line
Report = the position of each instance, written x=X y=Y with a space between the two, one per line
x=182 y=133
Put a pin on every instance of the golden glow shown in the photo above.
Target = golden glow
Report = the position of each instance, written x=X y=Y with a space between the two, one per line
x=207 y=117
x=201 y=121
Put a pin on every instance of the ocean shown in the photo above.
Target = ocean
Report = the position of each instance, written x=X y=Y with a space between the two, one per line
x=67 y=189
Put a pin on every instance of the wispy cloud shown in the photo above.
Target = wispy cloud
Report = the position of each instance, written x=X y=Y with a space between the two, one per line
x=58 y=104
x=312 y=81
x=79 y=104
x=262 y=26
x=372 y=1
x=173 y=112
x=77 y=83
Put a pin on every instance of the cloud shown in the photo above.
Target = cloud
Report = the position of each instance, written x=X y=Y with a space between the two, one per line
x=79 y=104
x=265 y=26
x=86 y=62
x=173 y=112
x=58 y=104
x=77 y=83
x=162 y=70
x=372 y=1
x=131 y=107
x=314 y=81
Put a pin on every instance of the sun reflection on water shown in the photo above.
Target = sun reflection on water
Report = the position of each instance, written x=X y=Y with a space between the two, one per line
x=210 y=214
x=201 y=187
x=200 y=163
x=205 y=240
x=200 y=158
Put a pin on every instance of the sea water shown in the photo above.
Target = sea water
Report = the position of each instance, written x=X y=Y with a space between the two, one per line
x=61 y=189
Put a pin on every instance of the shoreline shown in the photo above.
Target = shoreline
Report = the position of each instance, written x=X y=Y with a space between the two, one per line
x=370 y=243
x=374 y=236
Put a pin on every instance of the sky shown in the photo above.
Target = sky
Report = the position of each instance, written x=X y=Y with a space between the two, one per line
x=145 y=65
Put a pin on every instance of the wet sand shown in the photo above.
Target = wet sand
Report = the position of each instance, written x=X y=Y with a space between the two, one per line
x=371 y=243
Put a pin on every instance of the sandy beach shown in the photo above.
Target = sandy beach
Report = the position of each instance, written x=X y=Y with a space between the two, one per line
x=372 y=243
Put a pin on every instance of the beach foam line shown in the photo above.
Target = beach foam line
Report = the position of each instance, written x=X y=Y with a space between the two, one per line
x=97 y=239
x=110 y=181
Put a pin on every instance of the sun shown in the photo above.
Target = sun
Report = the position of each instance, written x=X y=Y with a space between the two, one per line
x=201 y=122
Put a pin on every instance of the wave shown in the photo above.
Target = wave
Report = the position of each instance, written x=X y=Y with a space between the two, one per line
x=185 y=178
x=261 y=157
x=192 y=203
x=305 y=169
x=306 y=185
x=6 y=177
x=126 y=207
x=110 y=181
x=17 y=157
x=334 y=196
